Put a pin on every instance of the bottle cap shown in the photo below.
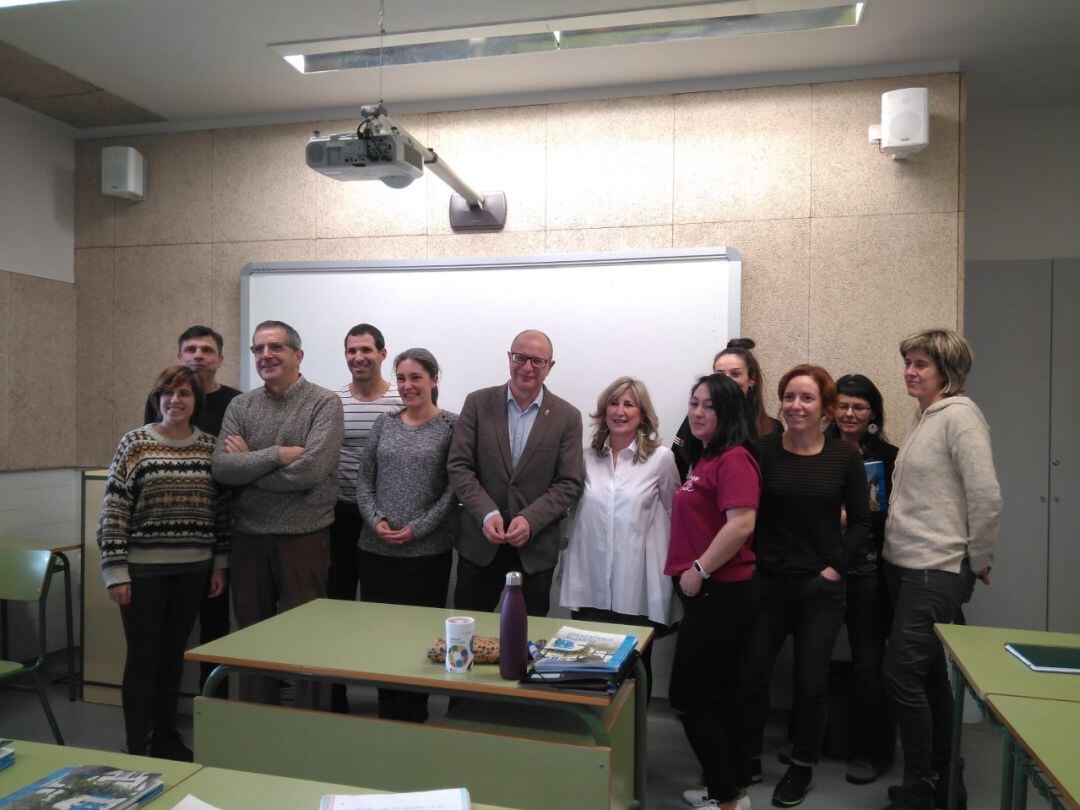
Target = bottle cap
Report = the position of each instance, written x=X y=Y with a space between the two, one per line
x=513 y=578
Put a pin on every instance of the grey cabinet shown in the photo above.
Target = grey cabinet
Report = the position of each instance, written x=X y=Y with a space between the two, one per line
x=1023 y=319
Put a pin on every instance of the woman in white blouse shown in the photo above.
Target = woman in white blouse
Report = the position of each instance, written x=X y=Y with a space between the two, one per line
x=613 y=570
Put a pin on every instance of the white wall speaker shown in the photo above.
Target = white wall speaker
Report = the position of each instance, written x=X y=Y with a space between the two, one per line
x=905 y=121
x=123 y=172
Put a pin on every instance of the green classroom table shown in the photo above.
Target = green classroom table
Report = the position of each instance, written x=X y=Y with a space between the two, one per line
x=981 y=663
x=386 y=645
x=240 y=790
x=1045 y=737
x=35 y=760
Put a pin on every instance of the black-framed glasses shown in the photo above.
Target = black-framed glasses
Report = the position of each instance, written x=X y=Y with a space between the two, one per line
x=519 y=359
x=273 y=348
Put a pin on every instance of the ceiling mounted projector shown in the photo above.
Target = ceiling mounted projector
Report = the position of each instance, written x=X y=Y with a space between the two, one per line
x=381 y=150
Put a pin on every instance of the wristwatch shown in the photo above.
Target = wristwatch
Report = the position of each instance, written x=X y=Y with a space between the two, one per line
x=700 y=570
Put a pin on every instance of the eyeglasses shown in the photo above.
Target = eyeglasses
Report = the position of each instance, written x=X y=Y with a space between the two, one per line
x=858 y=410
x=273 y=348
x=519 y=359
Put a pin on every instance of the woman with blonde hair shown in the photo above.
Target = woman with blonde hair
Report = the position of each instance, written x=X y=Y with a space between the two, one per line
x=613 y=569
x=939 y=537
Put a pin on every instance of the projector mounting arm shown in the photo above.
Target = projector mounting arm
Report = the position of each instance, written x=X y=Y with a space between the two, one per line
x=469 y=210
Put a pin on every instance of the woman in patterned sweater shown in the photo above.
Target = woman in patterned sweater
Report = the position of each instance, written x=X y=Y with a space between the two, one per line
x=163 y=537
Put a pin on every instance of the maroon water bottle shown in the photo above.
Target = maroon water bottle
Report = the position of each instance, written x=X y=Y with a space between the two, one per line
x=513 y=630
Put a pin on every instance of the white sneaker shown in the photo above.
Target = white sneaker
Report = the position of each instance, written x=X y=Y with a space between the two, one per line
x=699 y=798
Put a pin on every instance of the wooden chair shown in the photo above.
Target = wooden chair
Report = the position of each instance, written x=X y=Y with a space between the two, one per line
x=25 y=577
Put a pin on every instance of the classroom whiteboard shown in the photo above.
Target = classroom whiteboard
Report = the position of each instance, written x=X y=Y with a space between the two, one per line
x=658 y=316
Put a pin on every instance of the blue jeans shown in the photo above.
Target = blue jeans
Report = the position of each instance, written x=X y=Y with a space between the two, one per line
x=811 y=609
x=913 y=671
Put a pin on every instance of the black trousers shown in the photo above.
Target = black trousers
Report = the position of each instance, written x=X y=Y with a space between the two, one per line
x=422 y=581
x=157 y=623
x=811 y=609
x=706 y=681
x=869 y=618
x=914 y=672
x=480 y=586
x=214 y=623
x=344 y=572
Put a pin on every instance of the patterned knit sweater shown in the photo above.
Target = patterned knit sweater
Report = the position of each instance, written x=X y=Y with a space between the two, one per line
x=161 y=505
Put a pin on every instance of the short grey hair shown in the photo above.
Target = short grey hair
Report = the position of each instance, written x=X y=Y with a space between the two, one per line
x=292 y=337
x=951 y=353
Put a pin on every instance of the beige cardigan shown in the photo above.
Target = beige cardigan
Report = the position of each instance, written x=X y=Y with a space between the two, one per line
x=946 y=503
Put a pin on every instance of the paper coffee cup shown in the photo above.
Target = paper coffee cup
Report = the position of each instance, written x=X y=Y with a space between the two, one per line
x=459 y=643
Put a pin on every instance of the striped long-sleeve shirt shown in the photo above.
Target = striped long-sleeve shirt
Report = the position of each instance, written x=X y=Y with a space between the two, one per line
x=161 y=505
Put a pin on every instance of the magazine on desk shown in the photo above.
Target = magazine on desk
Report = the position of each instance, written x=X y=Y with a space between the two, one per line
x=7 y=754
x=86 y=787
x=585 y=652
x=1041 y=658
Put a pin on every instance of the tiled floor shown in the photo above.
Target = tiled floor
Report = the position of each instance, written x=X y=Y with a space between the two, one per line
x=672 y=768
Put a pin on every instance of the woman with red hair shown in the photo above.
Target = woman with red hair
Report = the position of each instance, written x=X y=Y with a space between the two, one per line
x=807 y=479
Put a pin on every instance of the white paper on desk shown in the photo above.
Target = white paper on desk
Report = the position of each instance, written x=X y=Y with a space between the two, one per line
x=451 y=799
x=190 y=802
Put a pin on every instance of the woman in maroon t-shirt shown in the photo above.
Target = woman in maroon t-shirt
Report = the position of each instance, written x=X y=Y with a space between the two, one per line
x=710 y=555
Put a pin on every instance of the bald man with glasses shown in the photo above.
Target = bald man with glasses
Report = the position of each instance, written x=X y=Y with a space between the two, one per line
x=516 y=464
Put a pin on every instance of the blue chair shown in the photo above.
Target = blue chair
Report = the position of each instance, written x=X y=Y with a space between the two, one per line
x=25 y=577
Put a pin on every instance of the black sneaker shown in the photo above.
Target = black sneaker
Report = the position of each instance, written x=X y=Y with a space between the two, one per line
x=755 y=771
x=792 y=789
x=911 y=797
x=170 y=747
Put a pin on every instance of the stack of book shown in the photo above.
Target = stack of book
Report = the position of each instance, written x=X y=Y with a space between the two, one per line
x=7 y=754
x=86 y=787
x=584 y=659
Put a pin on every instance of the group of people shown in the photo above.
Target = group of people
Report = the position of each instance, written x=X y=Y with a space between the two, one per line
x=745 y=531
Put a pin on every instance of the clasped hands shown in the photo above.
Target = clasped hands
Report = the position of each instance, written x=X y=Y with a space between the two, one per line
x=516 y=534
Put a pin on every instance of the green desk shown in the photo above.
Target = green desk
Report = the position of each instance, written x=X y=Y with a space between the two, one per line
x=60 y=565
x=240 y=790
x=385 y=645
x=1045 y=738
x=35 y=760
x=981 y=663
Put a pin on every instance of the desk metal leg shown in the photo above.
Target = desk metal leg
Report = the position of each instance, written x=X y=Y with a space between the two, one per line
x=1019 y=780
x=1008 y=762
x=64 y=566
x=641 y=723
x=216 y=675
x=958 y=722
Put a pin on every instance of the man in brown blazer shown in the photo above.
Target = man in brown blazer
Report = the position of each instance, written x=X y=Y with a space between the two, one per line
x=516 y=464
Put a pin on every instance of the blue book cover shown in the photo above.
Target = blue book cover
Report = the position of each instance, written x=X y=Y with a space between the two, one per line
x=879 y=494
x=86 y=787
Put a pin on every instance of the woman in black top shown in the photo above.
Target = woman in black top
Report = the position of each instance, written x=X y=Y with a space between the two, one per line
x=860 y=421
x=807 y=480
x=736 y=361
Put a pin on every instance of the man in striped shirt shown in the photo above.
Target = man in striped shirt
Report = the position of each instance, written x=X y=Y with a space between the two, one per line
x=364 y=399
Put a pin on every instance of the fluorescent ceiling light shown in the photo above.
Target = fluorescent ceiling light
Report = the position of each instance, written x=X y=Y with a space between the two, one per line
x=10 y=3
x=698 y=21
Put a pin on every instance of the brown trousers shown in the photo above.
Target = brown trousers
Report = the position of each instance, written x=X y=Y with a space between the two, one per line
x=272 y=573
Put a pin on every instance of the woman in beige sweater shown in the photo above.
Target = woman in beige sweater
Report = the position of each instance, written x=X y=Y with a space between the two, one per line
x=940 y=536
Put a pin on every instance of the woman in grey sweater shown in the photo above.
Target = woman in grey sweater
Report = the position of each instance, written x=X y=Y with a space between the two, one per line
x=940 y=536
x=406 y=503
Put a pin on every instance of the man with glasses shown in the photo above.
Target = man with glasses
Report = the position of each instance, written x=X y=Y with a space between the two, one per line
x=279 y=448
x=516 y=464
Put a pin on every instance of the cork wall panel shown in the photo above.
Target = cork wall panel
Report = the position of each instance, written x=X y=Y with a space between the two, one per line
x=94 y=279
x=492 y=150
x=263 y=189
x=775 y=288
x=159 y=292
x=176 y=210
x=94 y=211
x=850 y=176
x=742 y=154
x=228 y=259
x=873 y=281
x=41 y=373
x=609 y=163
